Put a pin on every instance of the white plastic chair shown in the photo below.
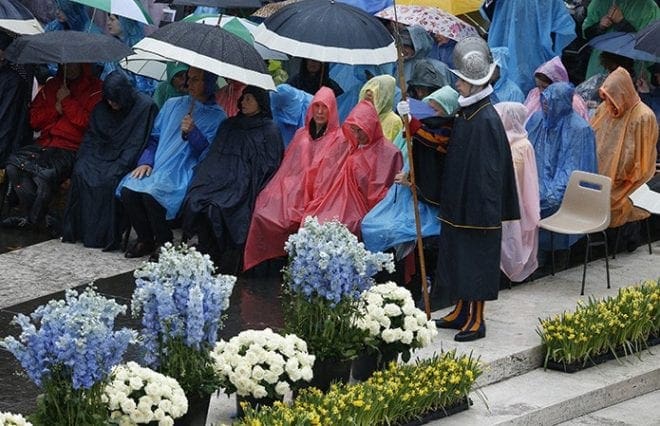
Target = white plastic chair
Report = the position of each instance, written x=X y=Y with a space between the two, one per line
x=646 y=199
x=585 y=209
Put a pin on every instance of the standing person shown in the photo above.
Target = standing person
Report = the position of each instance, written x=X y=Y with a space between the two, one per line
x=60 y=112
x=520 y=238
x=626 y=135
x=153 y=192
x=478 y=193
x=245 y=154
x=119 y=128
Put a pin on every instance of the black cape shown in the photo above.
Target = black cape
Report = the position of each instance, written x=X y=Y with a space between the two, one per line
x=110 y=149
x=14 y=121
x=478 y=193
x=246 y=152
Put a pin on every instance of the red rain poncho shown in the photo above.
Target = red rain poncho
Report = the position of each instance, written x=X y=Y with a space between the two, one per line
x=280 y=205
x=366 y=175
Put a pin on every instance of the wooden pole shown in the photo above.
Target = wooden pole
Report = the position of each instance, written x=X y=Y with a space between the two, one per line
x=411 y=163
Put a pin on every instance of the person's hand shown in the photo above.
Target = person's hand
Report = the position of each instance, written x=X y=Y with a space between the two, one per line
x=62 y=93
x=403 y=108
x=642 y=85
x=401 y=178
x=141 y=171
x=58 y=107
x=605 y=22
x=187 y=124
x=615 y=14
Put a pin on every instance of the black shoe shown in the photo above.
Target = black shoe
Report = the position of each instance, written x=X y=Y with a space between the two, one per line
x=18 y=222
x=140 y=249
x=468 y=336
x=455 y=324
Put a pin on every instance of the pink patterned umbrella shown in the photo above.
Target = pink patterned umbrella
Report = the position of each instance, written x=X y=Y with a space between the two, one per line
x=432 y=19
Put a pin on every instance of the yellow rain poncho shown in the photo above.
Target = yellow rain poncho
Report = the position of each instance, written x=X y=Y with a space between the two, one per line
x=626 y=135
x=382 y=97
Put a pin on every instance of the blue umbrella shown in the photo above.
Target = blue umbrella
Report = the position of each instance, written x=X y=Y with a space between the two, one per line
x=621 y=44
x=328 y=31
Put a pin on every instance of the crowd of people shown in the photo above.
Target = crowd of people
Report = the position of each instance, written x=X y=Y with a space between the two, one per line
x=497 y=127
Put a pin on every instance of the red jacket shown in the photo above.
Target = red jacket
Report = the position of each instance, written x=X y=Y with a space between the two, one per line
x=65 y=131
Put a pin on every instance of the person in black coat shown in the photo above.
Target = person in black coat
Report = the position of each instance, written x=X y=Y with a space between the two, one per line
x=312 y=76
x=478 y=193
x=119 y=127
x=246 y=152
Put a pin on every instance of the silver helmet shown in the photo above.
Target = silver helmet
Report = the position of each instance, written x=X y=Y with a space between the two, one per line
x=473 y=61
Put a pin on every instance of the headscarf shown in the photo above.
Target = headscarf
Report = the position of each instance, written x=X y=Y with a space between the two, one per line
x=513 y=115
x=554 y=69
x=382 y=94
x=447 y=98
x=118 y=88
x=626 y=135
x=262 y=97
x=365 y=117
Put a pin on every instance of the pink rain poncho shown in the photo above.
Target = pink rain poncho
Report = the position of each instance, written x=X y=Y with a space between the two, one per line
x=520 y=237
x=366 y=175
x=554 y=69
x=280 y=205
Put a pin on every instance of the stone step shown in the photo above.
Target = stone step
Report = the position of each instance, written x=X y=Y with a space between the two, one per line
x=638 y=411
x=549 y=397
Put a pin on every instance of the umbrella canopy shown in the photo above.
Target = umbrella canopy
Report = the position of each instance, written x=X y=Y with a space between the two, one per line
x=147 y=64
x=622 y=44
x=271 y=8
x=431 y=19
x=250 y=28
x=234 y=4
x=209 y=48
x=327 y=31
x=16 y=18
x=648 y=38
x=131 y=9
x=455 y=7
x=64 y=47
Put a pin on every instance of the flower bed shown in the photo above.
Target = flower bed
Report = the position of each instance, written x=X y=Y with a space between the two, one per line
x=601 y=330
x=398 y=395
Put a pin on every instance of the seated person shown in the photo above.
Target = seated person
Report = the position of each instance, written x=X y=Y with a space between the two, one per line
x=174 y=85
x=626 y=135
x=416 y=44
x=392 y=221
x=312 y=76
x=365 y=176
x=60 y=112
x=380 y=92
x=245 y=154
x=589 y=90
x=14 y=128
x=279 y=207
x=289 y=107
x=428 y=75
x=563 y=142
x=119 y=128
x=153 y=192
x=550 y=72
x=520 y=238
x=504 y=89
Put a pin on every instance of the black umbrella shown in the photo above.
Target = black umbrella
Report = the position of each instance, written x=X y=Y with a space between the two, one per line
x=328 y=31
x=234 y=4
x=15 y=17
x=210 y=48
x=648 y=38
x=65 y=47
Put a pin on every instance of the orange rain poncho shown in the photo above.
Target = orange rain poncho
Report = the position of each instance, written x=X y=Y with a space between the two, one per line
x=309 y=168
x=626 y=136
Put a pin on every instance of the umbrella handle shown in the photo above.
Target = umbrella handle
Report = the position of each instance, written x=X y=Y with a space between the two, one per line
x=413 y=185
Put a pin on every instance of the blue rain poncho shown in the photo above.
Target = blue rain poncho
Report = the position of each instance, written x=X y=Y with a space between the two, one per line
x=563 y=142
x=175 y=159
x=289 y=106
x=505 y=90
x=534 y=32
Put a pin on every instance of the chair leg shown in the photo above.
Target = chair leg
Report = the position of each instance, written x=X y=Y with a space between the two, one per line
x=586 y=259
x=648 y=234
x=552 y=251
x=616 y=241
x=607 y=263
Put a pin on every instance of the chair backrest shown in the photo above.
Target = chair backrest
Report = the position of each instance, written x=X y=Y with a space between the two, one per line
x=646 y=199
x=588 y=196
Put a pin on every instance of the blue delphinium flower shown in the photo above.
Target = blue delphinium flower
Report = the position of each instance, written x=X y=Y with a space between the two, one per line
x=179 y=297
x=74 y=335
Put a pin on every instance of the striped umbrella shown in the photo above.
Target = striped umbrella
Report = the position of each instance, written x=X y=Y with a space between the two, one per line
x=131 y=9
